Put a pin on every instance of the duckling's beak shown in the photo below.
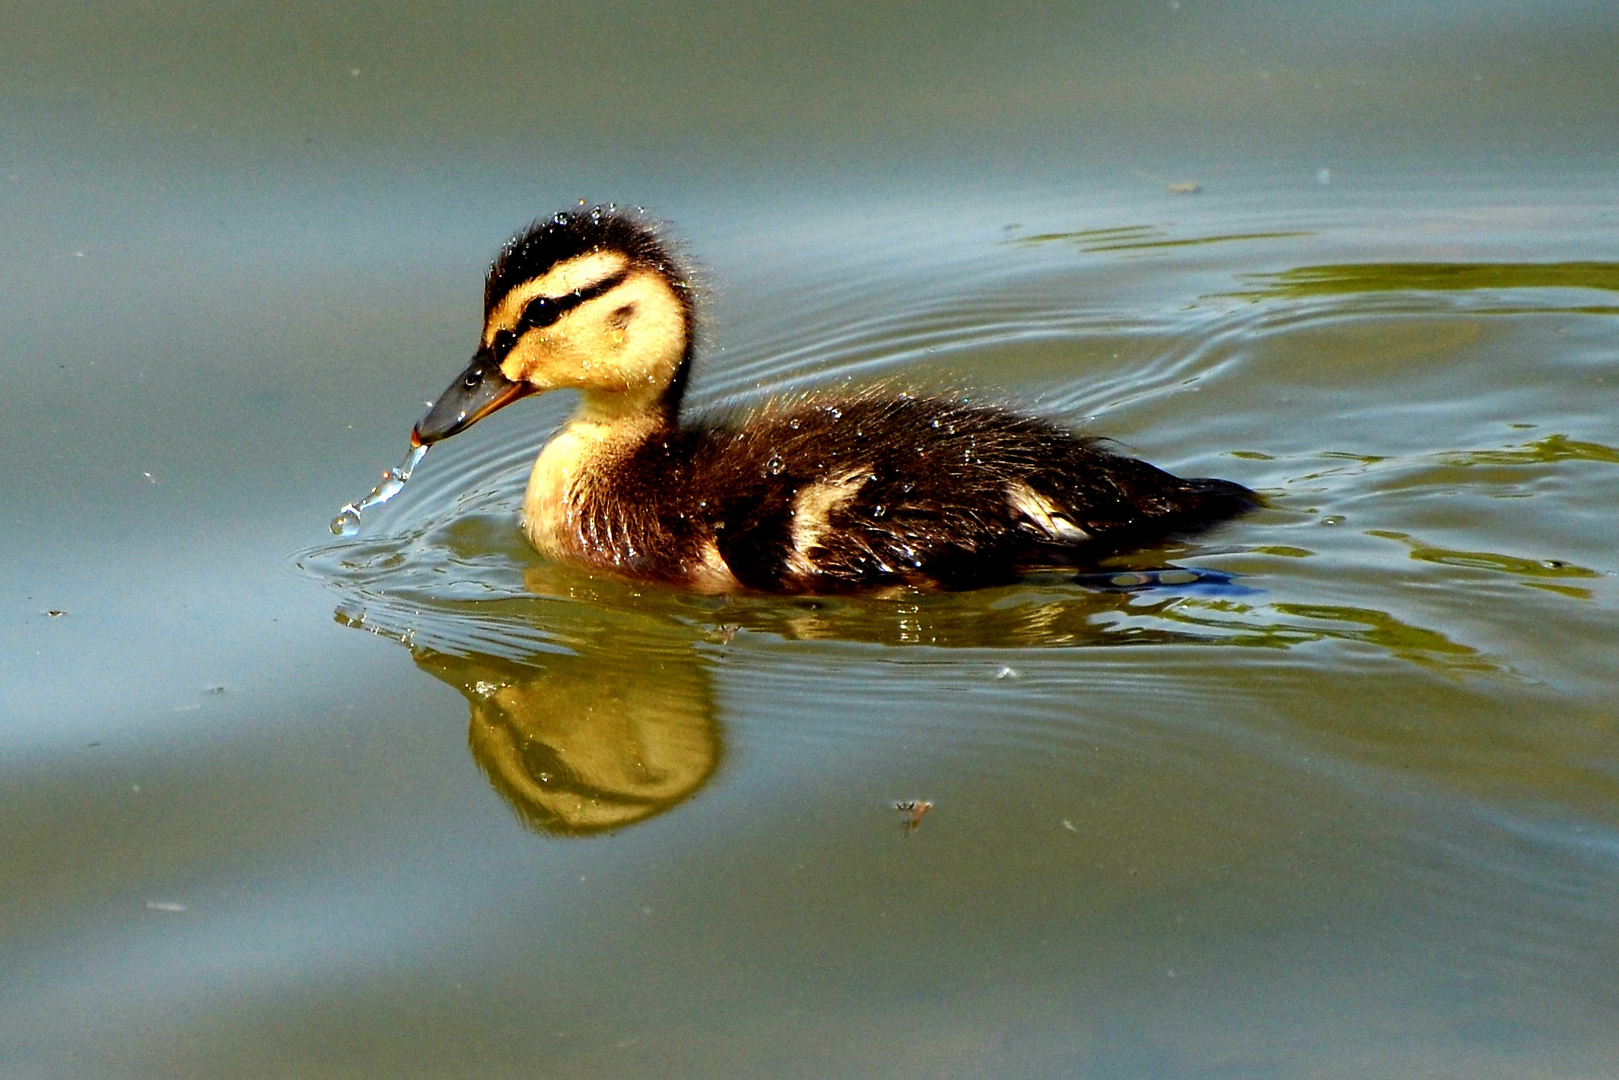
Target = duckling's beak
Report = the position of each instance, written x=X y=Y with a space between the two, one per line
x=476 y=392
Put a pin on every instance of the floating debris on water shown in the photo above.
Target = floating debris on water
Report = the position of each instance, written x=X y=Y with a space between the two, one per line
x=165 y=905
x=913 y=809
x=347 y=521
x=1185 y=187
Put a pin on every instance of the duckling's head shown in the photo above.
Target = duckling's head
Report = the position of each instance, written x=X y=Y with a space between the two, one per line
x=590 y=301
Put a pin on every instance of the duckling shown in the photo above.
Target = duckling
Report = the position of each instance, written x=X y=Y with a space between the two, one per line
x=820 y=493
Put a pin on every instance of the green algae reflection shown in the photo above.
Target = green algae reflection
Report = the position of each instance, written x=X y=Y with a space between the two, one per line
x=1145 y=238
x=1285 y=626
x=1516 y=565
x=1547 y=451
x=1355 y=278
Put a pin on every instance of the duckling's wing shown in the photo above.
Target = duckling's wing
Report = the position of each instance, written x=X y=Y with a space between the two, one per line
x=850 y=493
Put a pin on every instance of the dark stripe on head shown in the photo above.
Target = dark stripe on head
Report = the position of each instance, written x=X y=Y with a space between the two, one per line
x=544 y=311
x=566 y=235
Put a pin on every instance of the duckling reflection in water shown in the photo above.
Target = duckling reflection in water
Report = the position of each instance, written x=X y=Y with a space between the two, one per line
x=624 y=725
x=575 y=753
x=821 y=493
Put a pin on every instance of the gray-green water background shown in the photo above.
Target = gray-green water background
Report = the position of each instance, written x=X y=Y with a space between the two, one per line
x=1354 y=815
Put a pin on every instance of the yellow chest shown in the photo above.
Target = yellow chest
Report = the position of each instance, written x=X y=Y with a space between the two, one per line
x=563 y=514
x=562 y=475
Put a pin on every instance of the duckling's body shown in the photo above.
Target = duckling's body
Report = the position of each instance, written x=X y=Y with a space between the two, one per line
x=818 y=494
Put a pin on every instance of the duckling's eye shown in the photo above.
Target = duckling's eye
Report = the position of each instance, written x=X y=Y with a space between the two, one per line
x=504 y=340
x=542 y=311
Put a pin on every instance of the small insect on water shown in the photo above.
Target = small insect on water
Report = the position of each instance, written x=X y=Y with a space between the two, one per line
x=913 y=811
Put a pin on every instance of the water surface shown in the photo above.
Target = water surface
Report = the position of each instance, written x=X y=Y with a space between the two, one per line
x=1339 y=802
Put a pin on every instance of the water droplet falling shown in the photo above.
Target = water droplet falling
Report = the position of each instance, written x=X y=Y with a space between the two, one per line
x=347 y=521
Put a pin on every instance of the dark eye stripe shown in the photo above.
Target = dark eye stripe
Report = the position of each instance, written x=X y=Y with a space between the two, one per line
x=545 y=310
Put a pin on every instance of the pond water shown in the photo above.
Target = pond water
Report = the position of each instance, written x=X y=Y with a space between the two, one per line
x=1330 y=791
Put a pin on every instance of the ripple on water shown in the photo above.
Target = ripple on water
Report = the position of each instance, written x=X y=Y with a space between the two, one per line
x=1377 y=706
x=1367 y=568
x=459 y=545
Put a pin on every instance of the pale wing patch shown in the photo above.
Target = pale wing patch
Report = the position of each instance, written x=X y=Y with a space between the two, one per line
x=563 y=278
x=812 y=513
x=1045 y=515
